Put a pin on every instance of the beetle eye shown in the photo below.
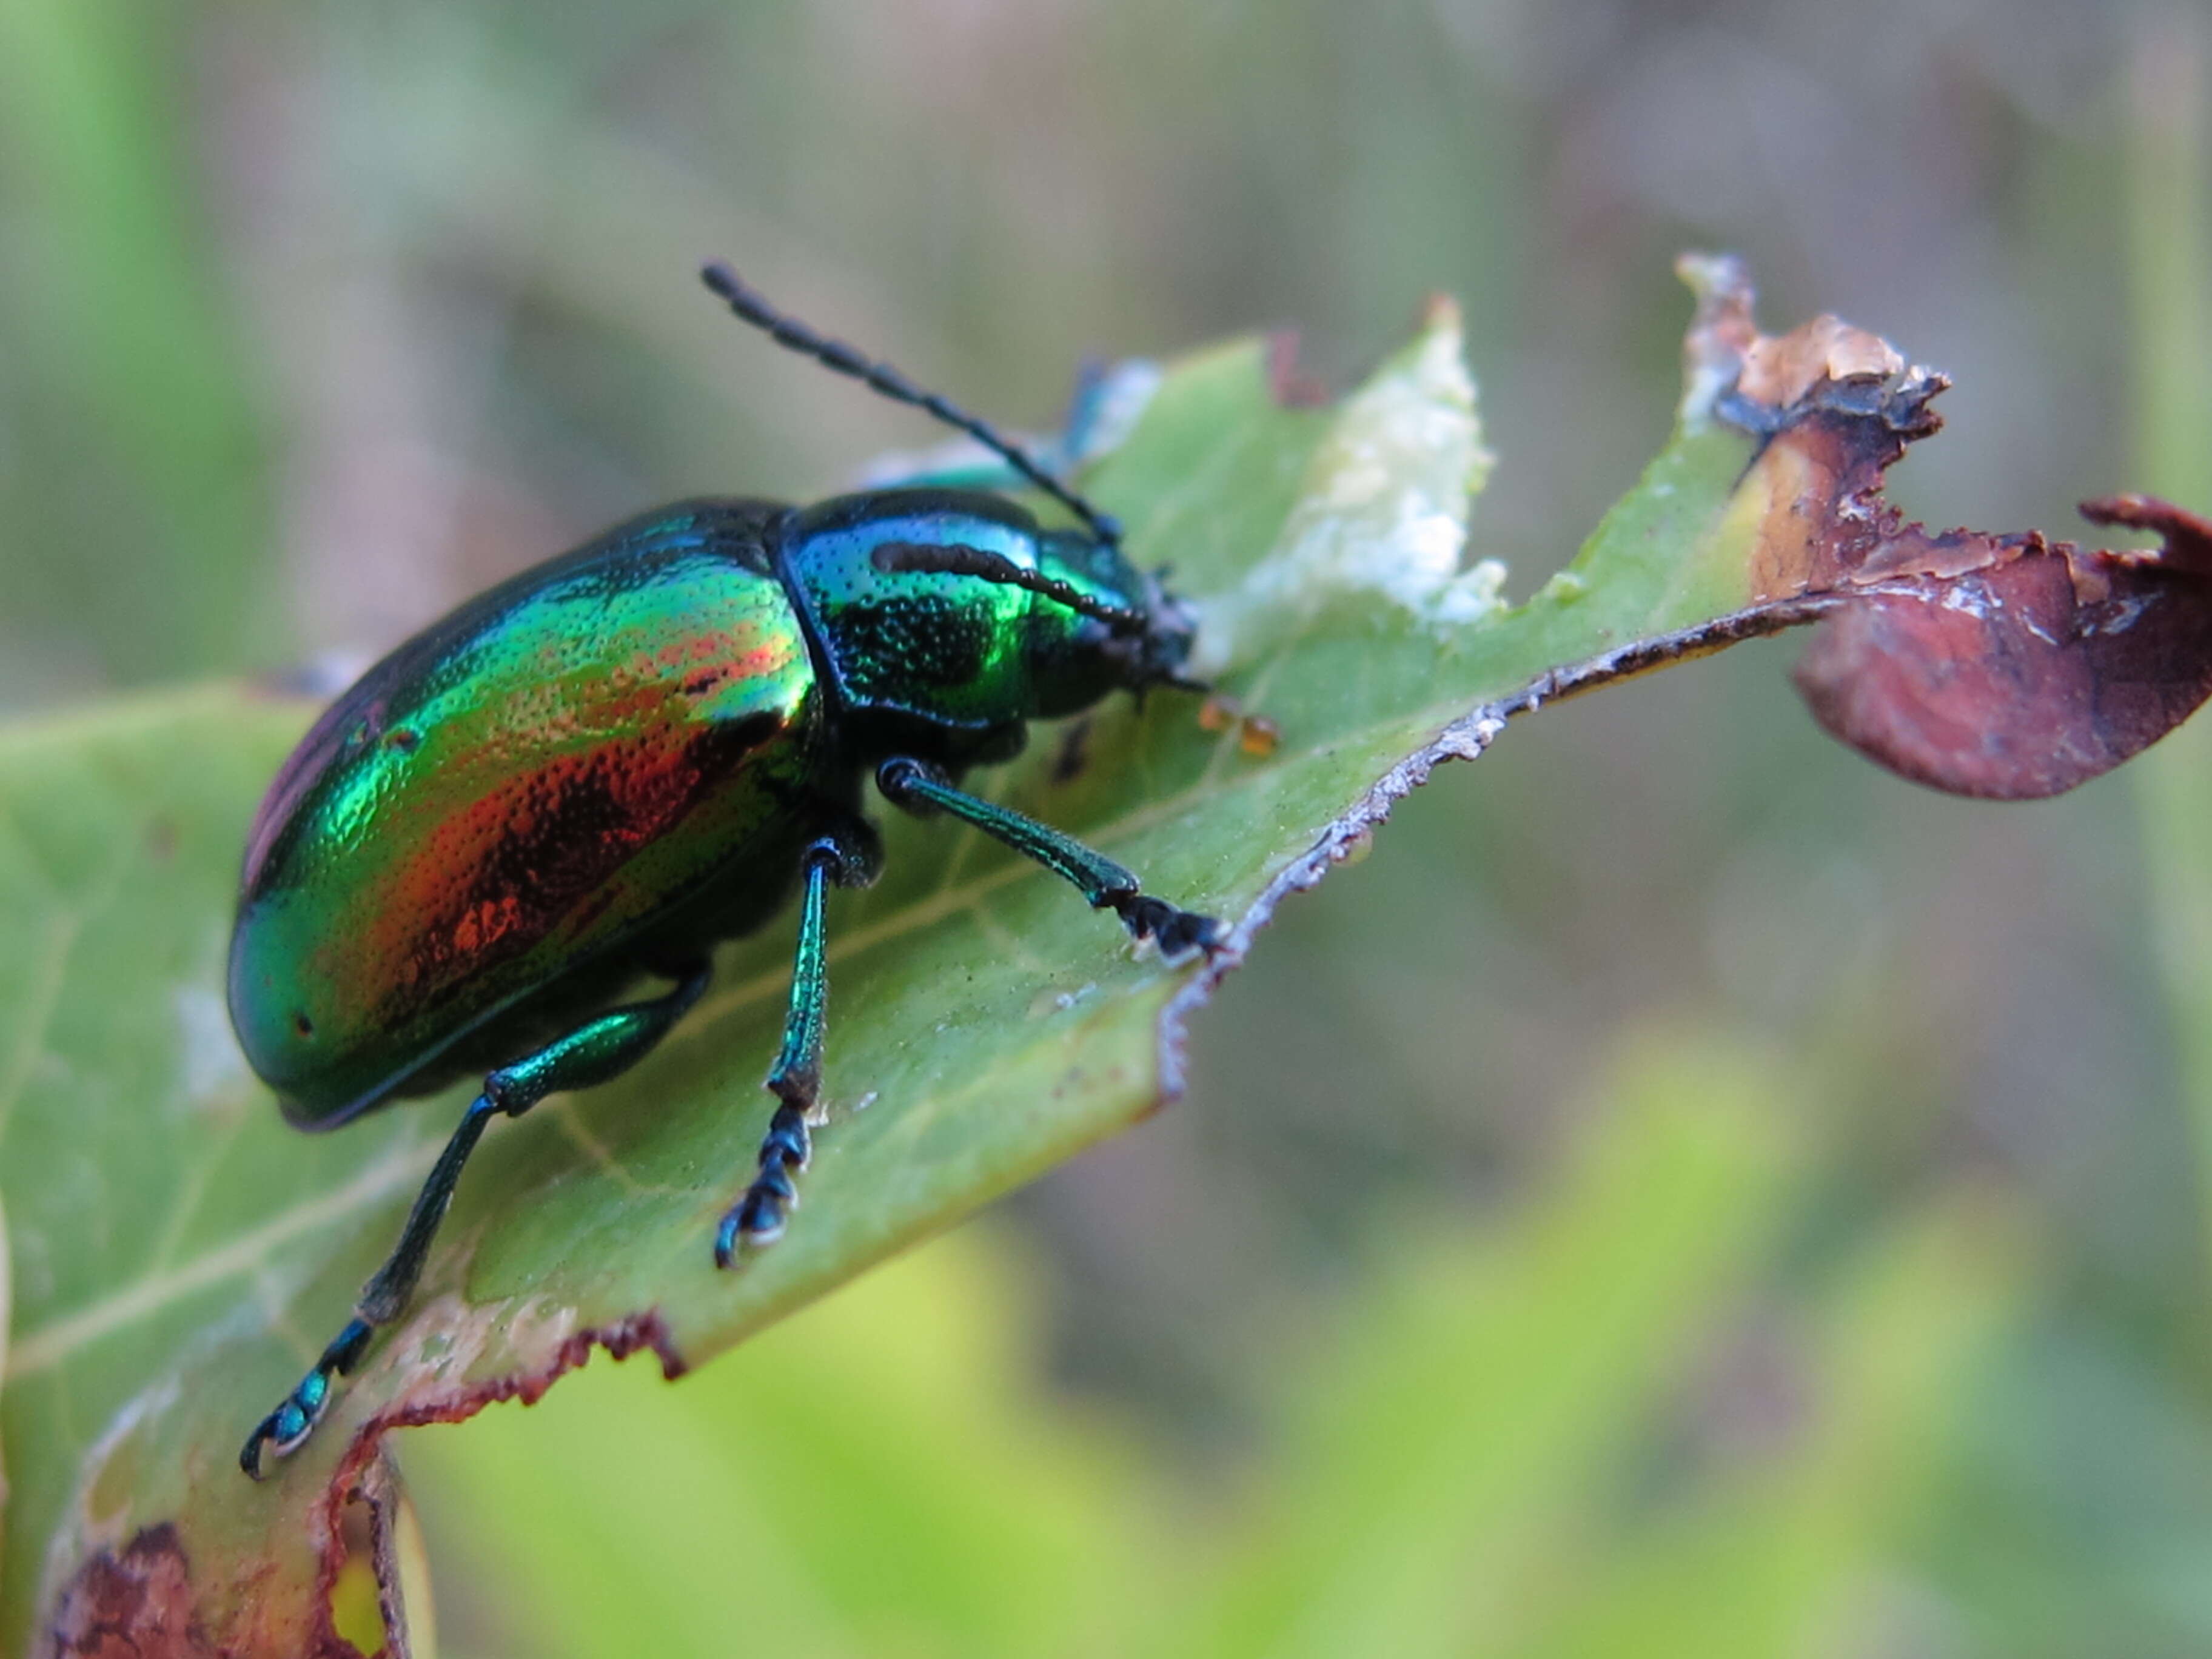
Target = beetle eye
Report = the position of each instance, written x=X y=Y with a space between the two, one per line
x=302 y=1025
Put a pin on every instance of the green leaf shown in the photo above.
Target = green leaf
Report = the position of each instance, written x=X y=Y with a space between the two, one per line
x=180 y=1258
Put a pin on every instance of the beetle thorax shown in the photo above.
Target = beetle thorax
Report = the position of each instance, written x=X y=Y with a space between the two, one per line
x=942 y=612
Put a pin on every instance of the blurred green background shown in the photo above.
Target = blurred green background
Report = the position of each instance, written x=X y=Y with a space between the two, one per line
x=1687 y=1192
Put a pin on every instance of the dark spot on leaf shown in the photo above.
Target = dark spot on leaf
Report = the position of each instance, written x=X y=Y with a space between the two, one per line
x=138 y=1605
x=161 y=840
x=404 y=738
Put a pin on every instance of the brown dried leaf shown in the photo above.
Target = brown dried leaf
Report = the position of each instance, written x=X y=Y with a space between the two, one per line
x=2003 y=665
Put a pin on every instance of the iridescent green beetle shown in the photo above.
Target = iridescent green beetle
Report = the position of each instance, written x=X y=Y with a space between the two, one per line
x=592 y=773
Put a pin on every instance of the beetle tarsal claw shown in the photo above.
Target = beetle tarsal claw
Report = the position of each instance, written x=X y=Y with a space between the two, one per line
x=1177 y=932
x=759 y=1216
x=754 y=1221
x=285 y=1430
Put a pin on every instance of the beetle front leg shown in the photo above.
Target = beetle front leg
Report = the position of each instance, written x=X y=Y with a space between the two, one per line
x=594 y=1052
x=918 y=786
x=850 y=859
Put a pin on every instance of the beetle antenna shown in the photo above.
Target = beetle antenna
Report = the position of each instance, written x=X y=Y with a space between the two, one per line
x=787 y=331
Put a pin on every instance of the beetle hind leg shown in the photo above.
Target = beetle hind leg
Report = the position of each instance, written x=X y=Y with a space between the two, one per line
x=848 y=857
x=594 y=1052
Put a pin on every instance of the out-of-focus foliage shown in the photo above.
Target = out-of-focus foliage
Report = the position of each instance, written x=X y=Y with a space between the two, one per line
x=2170 y=247
x=347 y=309
x=130 y=380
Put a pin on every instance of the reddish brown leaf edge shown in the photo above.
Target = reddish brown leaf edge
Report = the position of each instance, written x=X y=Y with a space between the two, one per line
x=139 y=1601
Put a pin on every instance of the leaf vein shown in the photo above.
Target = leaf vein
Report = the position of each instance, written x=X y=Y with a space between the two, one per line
x=49 y=1345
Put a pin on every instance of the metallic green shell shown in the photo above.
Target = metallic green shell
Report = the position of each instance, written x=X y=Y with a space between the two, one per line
x=601 y=767
x=596 y=767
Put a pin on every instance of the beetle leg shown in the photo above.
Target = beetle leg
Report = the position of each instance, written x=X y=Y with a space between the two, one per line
x=594 y=1052
x=849 y=859
x=918 y=786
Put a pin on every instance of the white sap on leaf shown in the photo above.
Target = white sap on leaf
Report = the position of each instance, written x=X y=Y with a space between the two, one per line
x=1564 y=588
x=1382 y=510
x=1052 y=999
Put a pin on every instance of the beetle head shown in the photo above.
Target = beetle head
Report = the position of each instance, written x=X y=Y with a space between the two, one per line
x=1140 y=634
